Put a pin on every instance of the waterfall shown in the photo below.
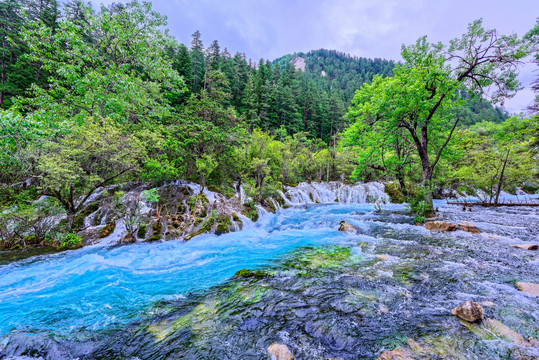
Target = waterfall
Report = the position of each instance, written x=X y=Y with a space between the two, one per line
x=335 y=191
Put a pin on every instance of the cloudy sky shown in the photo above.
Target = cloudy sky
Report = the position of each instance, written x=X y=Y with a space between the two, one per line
x=369 y=28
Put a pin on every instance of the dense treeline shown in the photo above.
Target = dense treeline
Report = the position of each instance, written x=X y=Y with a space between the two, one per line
x=94 y=98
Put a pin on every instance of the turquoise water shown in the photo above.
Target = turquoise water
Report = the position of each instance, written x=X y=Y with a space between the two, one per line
x=98 y=287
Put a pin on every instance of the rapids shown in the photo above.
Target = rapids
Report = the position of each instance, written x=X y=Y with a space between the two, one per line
x=326 y=294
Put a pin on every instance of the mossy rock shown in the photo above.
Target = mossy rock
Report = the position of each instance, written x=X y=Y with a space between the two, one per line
x=107 y=230
x=141 y=232
x=16 y=247
x=256 y=274
x=154 y=238
x=156 y=228
x=235 y=217
x=221 y=229
x=181 y=209
x=320 y=258
x=70 y=247
x=311 y=197
x=78 y=222
x=192 y=235
x=286 y=206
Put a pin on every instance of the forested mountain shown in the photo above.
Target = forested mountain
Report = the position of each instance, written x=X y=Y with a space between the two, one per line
x=331 y=69
x=343 y=73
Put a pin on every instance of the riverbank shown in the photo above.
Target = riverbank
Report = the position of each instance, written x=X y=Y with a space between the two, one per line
x=323 y=294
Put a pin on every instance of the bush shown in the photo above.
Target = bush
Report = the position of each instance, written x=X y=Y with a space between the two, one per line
x=70 y=240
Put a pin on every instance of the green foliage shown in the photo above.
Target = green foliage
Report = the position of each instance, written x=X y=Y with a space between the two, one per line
x=151 y=195
x=412 y=114
x=483 y=149
x=70 y=240
x=93 y=155
x=109 y=65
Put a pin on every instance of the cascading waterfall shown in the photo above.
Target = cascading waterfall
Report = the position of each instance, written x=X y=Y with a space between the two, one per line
x=335 y=191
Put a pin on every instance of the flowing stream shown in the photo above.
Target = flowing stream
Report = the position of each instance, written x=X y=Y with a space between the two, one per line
x=326 y=294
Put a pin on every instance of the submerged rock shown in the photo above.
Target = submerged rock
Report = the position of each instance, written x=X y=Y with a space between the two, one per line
x=257 y=274
x=469 y=311
x=440 y=226
x=529 y=288
x=279 y=352
x=469 y=227
x=346 y=227
x=396 y=354
x=526 y=246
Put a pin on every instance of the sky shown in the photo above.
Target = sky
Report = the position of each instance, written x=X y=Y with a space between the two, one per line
x=369 y=28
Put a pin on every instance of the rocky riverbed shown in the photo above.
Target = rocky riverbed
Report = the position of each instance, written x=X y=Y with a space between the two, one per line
x=385 y=290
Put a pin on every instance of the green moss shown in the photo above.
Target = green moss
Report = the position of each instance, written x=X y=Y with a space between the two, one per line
x=157 y=227
x=154 y=238
x=78 y=222
x=311 y=197
x=107 y=230
x=199 y=319
x=286 y=206
x=319 y=258
x=256 y=274
x=141 y=232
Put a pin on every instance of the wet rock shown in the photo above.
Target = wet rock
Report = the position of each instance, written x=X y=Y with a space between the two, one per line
x=279 y=352
x=469 y=227
x=440 y=226
x=344 y=226
x=128 y=239
x=469 y=311
x=503 y=331
x=487 y=303
x=107 y=230
x=257 y=274
x=526 y=246
x=529 y=288
x=396 y=354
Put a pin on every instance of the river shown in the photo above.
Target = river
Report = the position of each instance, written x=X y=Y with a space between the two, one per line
x=326 y=294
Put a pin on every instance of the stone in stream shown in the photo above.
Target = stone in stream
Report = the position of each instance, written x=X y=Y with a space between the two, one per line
x=469 y=227
x=469 y=311
x=396 y=354
x=440 y=226
x=529 y=288
x=280 y=352
x=526 y=246
x=346 y=227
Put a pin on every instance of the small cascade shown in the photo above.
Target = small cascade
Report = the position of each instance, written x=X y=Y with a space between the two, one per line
x=240 y=194
x=247 y=223
x=335 y=191
x=195 y=188
x=275 y=204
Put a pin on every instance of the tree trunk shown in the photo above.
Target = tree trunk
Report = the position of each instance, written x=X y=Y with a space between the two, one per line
x=427 y=178
x=501 y=180
x=402 y=184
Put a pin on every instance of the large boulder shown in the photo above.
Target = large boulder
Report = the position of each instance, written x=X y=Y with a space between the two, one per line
x=440 y=226
x=469 y=311
x=346 y=227
x=529 y=288
x=469 y=227
x=279 y=352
